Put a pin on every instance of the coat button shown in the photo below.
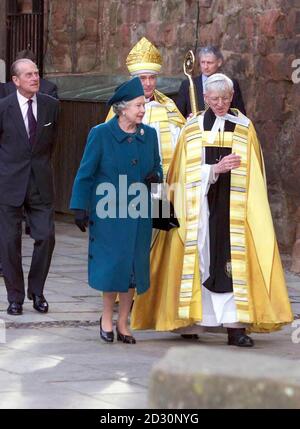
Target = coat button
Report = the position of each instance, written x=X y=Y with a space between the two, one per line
x=92 y=239
x=91 y=256
x=129 y=139
x=91 y=222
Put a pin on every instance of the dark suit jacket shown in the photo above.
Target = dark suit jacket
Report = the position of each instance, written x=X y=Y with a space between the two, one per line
x=46 y=87
x=18 y=158
x=183 y=97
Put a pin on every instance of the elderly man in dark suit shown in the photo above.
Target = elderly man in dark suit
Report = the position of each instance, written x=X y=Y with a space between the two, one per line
x=210 y=62
x=46 y=87
x=27 y=126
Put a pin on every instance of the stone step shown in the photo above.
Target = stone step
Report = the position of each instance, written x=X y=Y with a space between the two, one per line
x=199 y=377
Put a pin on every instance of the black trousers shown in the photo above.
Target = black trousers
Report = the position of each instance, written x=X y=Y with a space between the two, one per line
x=41 y=222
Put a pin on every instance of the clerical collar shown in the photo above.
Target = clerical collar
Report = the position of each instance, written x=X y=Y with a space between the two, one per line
x=219 y=123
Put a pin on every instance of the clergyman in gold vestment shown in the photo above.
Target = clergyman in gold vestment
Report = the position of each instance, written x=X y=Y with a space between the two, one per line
x=145 y=61
x=222 y=266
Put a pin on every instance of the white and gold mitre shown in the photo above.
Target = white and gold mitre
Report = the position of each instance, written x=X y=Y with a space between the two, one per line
x=144 y=58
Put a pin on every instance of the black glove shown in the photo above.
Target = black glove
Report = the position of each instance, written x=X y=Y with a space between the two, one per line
x=81 y=219
x=152 y=178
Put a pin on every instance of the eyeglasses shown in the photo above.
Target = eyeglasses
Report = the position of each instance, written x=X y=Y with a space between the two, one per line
x=215 y=100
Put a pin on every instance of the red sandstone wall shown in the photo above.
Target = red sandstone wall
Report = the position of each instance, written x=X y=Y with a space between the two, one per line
x=260 y=40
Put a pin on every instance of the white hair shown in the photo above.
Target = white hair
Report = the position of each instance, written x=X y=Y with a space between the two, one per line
x=119 y=106
x=218 y=82
x=15 y=67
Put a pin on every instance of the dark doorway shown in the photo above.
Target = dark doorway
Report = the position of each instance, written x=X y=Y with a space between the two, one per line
x=25 y=30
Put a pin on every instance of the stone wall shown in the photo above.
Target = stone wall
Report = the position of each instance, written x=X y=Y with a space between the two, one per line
x=260 y=40
x=96 y=35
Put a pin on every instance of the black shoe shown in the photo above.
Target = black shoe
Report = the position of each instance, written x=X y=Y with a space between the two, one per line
x=128 y=339
x=107 y=336
x=15 y=309
x=238 y=337
x=39 y=302
x=1 y=272
x=190 y=336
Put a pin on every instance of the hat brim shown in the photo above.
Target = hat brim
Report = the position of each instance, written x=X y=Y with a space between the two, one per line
x=136 y=69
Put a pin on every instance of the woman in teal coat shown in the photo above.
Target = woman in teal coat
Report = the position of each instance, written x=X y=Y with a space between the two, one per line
x=111 y=193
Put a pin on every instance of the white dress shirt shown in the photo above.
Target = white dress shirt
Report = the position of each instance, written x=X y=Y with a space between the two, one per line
x=204 y=79
x=23 y=103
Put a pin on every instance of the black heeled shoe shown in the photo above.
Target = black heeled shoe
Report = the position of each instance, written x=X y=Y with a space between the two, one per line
x=127 y=339
x=107 y=336
x=190 y=336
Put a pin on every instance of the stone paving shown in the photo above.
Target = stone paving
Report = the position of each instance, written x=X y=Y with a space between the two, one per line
x=58 y=361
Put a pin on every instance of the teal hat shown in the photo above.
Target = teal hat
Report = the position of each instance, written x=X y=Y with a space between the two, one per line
x=127 y=91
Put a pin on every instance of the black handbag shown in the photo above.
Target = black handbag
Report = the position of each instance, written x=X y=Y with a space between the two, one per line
x=163 y=215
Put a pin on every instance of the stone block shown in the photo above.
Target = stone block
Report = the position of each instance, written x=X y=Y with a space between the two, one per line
x=171 y=11
x=168 y=35
x=143 y=12
x=125 y=32
x=295 y=267
x=185 y=33
x=152 y=32
x=59 y=12
x=263 y=45
x=205 y=16
x=61 y=58
x=248 y=27
x=293 y=22
x=87 y=57
x=210 y=34
x=199 y=377
x=190 y=11
x=90 y=11
x=268 y=22
x=290 y=46
x=89 y=28
x=205 y=3
x=115 y=16
x=277 y=66
x=282 y=214
x=266 y=108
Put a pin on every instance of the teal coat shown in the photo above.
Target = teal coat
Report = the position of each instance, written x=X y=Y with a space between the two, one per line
x=119 y=245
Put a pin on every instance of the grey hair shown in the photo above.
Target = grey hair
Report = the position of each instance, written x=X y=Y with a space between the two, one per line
x=15 y=67
x=210 y=49
x=119 y=106
x=218 y=82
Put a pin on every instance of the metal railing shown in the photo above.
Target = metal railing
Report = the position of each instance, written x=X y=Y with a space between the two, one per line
x=25 y=31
